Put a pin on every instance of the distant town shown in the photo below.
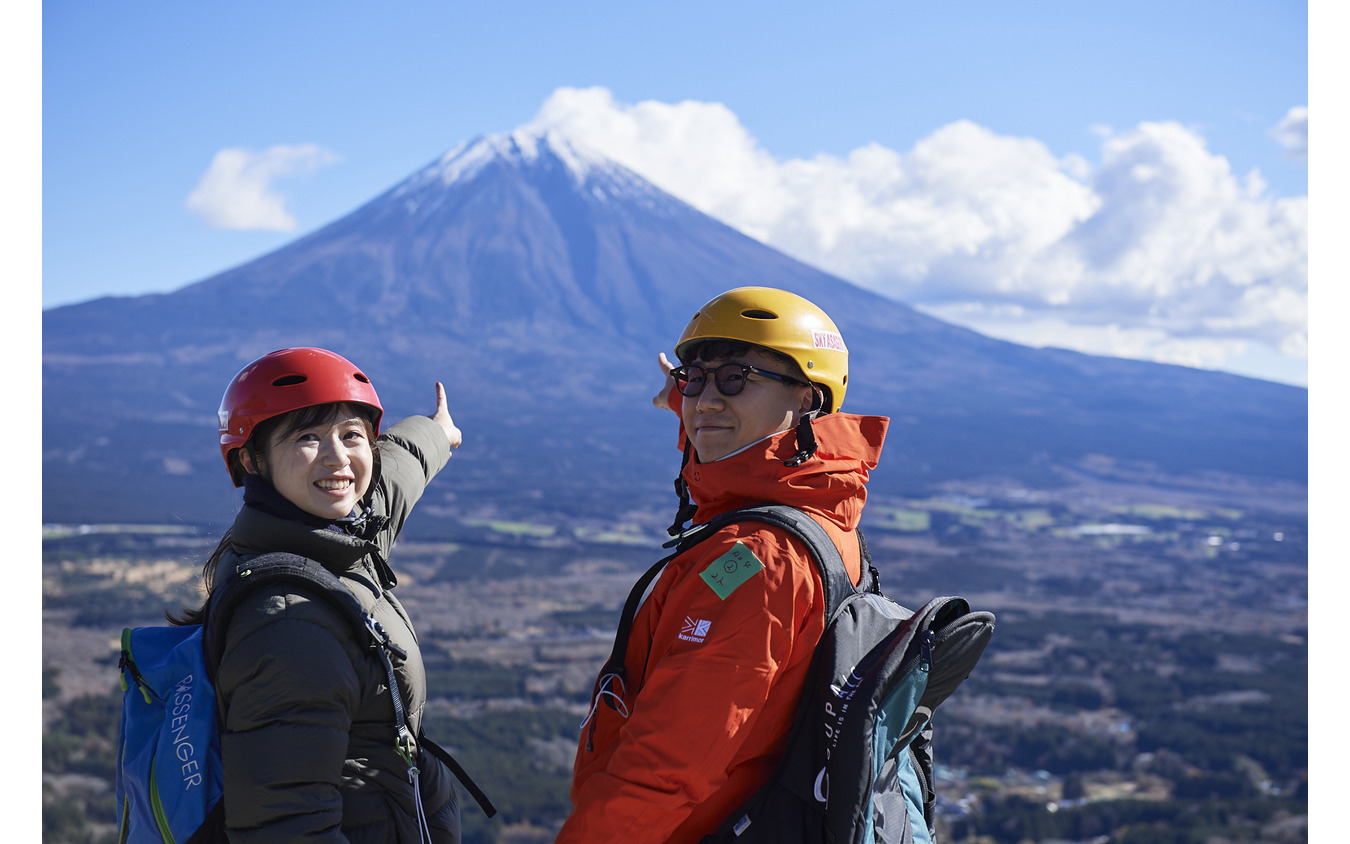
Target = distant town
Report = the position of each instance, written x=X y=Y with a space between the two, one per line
x=1147 y=680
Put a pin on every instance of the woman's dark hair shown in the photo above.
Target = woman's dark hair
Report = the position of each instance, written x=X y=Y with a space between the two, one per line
x=266 y=433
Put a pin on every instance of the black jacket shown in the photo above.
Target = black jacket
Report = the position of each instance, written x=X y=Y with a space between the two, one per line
x=307 y=736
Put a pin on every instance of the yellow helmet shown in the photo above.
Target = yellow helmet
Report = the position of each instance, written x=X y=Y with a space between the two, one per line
x=778 y=320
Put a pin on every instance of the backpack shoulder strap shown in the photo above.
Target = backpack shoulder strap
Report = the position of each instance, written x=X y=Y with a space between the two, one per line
x=829 y=562
x=256 y=572
x=834 y=575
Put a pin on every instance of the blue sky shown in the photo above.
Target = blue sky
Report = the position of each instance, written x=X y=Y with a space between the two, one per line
x=1104 y=177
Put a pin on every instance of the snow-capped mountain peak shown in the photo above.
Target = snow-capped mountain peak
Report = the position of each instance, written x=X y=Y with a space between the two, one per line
x=532 y=152
x=522 y=147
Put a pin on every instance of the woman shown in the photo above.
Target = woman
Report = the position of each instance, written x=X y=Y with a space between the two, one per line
x=307 y=720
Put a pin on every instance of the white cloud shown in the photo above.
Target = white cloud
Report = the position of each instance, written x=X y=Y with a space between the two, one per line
x=1179 y=243
x=1160 y=252
x=1031 y=328
x=1292 y=133
x=237 y=192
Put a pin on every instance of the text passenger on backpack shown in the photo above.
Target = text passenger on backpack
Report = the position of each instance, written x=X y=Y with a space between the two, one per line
x=721 y=644
x=307 y=720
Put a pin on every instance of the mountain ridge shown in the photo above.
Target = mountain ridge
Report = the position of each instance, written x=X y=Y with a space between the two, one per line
x=539 y=281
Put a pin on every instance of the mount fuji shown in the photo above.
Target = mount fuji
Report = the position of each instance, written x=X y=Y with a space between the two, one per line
x=539 y=281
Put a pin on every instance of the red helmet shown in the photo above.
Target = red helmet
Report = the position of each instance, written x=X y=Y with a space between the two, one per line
x=287 y=380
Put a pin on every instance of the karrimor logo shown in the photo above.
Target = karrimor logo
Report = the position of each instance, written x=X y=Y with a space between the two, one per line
x=695 y=629
x=831 y=340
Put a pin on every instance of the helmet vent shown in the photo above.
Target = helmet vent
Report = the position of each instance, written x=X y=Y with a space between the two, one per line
x=359 y=377
x=289 y=380
x=756 y=313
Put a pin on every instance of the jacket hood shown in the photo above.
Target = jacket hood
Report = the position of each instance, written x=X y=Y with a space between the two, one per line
x=830 y=485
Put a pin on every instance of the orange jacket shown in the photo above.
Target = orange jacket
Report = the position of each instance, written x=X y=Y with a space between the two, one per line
x=715 y=665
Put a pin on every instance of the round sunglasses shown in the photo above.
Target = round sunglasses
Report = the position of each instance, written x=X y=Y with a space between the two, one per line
x=730 y=377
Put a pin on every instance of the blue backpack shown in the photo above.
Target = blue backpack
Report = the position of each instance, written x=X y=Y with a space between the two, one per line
x=168 y=761
x=169 y=782
x=858 y=765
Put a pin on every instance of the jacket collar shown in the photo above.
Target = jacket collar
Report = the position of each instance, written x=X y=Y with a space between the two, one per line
x=831 y=485
x=257 y=531
x=260 y=494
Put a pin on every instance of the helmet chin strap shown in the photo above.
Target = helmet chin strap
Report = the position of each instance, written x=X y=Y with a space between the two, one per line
x=686 y=510
x=806 y=436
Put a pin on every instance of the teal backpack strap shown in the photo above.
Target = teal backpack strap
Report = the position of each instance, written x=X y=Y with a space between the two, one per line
x=610 y=684
x=829 y=562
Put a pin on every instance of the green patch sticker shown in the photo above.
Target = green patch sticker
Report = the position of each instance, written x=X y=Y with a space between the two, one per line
x=731 y=569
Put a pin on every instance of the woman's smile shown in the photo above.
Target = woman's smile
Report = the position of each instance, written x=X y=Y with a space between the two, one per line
x=324 y=470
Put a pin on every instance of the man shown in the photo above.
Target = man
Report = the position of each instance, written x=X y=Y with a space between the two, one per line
x=721 y=645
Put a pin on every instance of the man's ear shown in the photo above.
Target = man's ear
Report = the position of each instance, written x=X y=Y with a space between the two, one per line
x=812 y=399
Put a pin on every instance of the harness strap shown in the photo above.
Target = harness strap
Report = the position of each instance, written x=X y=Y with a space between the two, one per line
x=614 y=668
x=423 y=828
x=403 y=738
x=460 y=774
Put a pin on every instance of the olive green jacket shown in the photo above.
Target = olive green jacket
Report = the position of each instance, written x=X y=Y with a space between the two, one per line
x=308 y=737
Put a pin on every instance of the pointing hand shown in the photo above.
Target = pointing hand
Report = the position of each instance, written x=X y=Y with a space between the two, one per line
x=442 y=417
x=660 y=398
